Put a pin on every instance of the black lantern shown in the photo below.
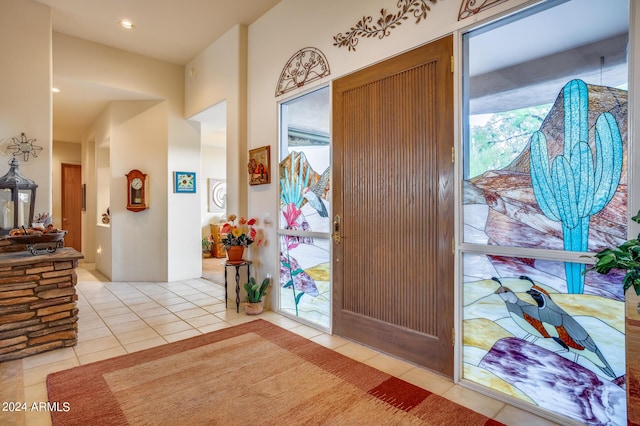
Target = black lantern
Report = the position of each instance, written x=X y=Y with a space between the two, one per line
x=17 y=199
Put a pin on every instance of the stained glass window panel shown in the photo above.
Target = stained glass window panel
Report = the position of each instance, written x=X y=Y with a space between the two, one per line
x=545 y=153
x=545 y=173
x=525 y=336
x=305 y=278
x=304 y=222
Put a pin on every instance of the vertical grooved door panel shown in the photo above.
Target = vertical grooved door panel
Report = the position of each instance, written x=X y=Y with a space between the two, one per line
x=393 y=272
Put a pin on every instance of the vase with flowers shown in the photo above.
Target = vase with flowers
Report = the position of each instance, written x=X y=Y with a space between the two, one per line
x=238 y=236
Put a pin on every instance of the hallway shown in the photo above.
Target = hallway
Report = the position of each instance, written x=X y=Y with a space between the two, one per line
x=212 y=269
x=120 y=318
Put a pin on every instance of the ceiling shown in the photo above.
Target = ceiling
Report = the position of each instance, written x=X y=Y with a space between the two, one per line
x=523 y=62
x=168 y=30
x=177 y=31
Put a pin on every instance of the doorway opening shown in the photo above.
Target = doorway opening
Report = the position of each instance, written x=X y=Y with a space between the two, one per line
x=213 y=187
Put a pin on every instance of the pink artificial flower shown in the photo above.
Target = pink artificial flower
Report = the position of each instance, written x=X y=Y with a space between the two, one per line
x=291 y=215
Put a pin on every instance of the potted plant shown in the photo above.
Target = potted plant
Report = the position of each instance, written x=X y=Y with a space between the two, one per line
x=206 y=246
x=255 y=293
x=626 y=257
x=237 y=237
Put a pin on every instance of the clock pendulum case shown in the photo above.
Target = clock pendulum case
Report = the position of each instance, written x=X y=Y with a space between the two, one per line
x=137 y=191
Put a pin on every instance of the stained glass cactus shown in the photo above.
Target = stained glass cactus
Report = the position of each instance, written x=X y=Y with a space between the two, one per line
x=579 y=183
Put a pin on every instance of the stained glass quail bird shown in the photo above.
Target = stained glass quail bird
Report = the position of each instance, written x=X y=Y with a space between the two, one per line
x=564 y=329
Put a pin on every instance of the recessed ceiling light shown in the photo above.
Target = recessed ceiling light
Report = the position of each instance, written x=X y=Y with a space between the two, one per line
x=126 y=24
x=55 y=90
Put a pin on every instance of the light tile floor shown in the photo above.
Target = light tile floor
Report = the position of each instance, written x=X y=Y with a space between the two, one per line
x=117 y=318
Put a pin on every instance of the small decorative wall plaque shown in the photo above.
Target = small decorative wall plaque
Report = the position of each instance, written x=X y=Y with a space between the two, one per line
x=385 y=23
x=217 y=195
x=23 y=146
x=306 y=65
x=184 y=182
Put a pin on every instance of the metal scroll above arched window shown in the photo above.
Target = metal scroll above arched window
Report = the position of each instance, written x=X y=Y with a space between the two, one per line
x=471 y=7
x=306 y=65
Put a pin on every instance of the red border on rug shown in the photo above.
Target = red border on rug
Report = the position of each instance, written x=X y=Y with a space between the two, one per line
x=87 y=391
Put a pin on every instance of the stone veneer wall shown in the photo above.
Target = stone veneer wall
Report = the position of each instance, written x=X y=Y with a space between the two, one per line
x=37 y=302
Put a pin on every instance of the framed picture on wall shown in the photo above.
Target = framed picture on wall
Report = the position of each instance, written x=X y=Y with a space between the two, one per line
x=217 y=195
x=258 y=167
x=184 y=181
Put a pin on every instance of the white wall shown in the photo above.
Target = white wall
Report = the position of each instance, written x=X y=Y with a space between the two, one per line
x=215 y=75
x=103 y=258
x=139 y=239
x=148 y=133
x=183 y=210
x=25 y=103
x=89 y=215
x=95 y=247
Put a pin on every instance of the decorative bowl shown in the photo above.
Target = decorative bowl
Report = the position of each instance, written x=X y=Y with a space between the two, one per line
x=51 y=237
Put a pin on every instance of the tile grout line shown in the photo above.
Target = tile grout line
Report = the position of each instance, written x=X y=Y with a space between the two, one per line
x=135 y=313
x=149 y=296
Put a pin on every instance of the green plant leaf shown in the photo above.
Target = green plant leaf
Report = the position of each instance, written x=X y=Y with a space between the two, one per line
x=264 y=286
x=626 y=257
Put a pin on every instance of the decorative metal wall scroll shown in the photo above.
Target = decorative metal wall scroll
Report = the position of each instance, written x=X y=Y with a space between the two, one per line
x=385 y=23
x=24 y=147
x=306 y=65
x=471 y=7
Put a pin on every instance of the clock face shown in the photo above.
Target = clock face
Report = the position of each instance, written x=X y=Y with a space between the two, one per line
x=136 y=183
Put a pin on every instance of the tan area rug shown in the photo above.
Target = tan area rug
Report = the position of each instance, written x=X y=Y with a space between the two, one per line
x=250 y=374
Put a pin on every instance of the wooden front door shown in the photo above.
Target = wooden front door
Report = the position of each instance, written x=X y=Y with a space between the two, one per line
x=72 y=205
x=394 y=206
